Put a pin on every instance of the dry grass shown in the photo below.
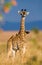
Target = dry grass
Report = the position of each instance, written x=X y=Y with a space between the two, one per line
x=33 y=55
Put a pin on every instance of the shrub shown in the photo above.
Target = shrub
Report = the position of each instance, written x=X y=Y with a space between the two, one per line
x=33 y=58
x=35 y=30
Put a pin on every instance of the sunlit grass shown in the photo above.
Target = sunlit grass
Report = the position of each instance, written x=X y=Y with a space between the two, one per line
x=33 y=60
x=3 y=48
x=33 y=40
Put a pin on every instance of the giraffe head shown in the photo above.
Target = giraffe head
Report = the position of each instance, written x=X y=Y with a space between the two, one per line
x=23 y=12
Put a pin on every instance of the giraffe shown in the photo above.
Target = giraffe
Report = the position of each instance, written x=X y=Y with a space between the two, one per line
x=17 y=42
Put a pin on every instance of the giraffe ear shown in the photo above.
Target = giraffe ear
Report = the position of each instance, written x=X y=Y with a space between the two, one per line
x=19 y=12
x=28 y=13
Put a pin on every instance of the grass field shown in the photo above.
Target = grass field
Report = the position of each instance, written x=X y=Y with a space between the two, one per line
x=33 y=55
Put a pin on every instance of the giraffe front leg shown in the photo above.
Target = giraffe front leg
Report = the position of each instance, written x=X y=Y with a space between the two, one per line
x=13 y=53
x=24 y=50
x=9 y=51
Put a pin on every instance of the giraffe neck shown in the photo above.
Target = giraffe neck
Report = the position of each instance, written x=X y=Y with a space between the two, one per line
x=22 y=27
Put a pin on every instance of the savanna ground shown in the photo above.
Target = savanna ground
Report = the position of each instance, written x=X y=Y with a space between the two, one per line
x=33 y=55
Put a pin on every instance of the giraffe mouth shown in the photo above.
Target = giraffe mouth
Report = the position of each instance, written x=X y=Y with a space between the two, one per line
x=23 y=15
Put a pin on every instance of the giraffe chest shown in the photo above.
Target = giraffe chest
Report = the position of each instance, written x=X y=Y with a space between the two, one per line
x=17 y=43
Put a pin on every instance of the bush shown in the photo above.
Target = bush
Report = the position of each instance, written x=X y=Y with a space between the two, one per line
x=34 y=58
x=35 y=30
